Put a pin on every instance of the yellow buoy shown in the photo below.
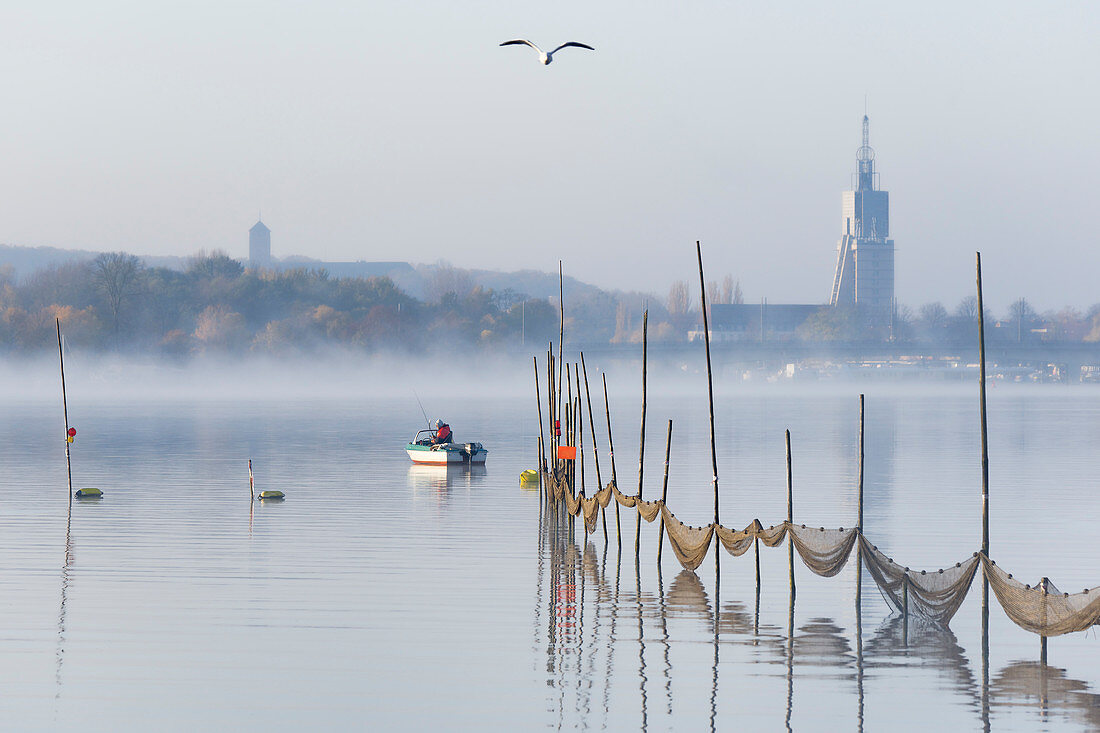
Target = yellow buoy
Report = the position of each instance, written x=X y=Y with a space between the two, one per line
x=529 y=476
x=89 y=493
x=278 y=495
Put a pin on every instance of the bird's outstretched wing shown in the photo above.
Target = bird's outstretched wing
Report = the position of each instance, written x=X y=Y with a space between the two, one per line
x=521 y=42
x=571 y=43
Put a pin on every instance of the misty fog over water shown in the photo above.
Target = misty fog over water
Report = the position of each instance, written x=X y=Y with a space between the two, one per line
x=174 y=602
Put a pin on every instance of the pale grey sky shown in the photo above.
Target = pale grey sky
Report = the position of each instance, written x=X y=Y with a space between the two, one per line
x=400 y=130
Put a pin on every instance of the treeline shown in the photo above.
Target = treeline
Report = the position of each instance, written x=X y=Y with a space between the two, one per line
x=116 y=302
x=215 y=304
x=932 y=323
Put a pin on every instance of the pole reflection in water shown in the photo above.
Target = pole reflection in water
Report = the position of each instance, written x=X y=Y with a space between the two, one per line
x=664 y=638
x=736 y=633
x=64 y=599
x=641 y=643
x=714 y=669
x=1049 y=690
x=790 y=660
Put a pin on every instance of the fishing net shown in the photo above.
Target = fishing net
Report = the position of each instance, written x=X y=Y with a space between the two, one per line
x=774 y=535
x=934 y=595
x=689 y=543
x=603 y=496
x=572 y=503
x=649 y=510
x=825 y=551
x=737 y=543
x=590 y=510
x=627 y=501
x=1042 y=608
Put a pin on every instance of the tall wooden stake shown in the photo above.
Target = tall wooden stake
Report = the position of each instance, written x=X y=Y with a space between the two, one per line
x=569 y=428
x=538 y=399
x=664 y=495
x=550 y=386
x=859 y=521
x=611 y=452
x=1043 y=639
x=985 y=455
x=561 y=327
x=580 y=455
x=595 y=446
x=542 y=471
x=790 y=515
x=905 y=607
x=710 y=391
x=65 y=408
x=641 y=444
x=251 y=482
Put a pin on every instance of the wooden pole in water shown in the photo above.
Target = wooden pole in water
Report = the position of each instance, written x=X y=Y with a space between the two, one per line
x=1042 y=638
x=580 y=454
x=65 y=408
x=542 y=470
x=985 y=452
x=561 y=327
x=790 y=514
x=710 y=391
x=641 y=444
x=538 y=400
x=905 y=607
x=580 y=421
x=611 y=452
x=595 y=446
x=550 y=405
x=569 y=428
x=859 y=521
x=664 y=496
x=251 y=482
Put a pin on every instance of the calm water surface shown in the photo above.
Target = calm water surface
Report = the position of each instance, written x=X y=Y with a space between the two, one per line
x=381 y=594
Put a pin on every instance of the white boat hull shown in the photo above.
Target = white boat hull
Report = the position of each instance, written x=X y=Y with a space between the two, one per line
x=449 y=454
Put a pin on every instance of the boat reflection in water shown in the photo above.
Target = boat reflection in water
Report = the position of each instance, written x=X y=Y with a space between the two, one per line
x=422 y=477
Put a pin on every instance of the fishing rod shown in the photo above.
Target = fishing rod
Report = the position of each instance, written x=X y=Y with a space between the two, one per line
x=422 y=410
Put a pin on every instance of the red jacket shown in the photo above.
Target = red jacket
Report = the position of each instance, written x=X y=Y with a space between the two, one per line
x=443 y=435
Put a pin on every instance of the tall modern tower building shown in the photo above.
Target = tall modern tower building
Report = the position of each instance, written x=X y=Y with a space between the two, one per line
x=259 y=245
x=865 y=254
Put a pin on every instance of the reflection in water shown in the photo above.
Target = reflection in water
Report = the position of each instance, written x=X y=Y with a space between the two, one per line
x=441 y=479
x=817 y=648
x=64 y=599
x=1033 y=684
x=931 y=646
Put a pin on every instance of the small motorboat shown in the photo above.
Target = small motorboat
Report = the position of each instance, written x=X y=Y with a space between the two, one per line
x=422 y=450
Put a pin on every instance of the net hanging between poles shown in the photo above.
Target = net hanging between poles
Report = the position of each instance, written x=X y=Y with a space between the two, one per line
x=934 y=595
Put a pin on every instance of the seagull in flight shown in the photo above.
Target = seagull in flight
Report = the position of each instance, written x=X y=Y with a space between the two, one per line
x=544 y=57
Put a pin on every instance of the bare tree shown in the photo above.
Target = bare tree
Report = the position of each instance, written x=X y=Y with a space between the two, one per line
x=679 y=299
x=933 y=316
x=967 y=308
x=118 y=279
x=1024 y=315
x=214 y=264
x=447 y=279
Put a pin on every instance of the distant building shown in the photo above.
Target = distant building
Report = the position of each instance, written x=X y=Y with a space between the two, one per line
x=864 y=274
x=259 y=245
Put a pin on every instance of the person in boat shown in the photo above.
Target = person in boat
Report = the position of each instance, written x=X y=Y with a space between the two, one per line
x=442 y=434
